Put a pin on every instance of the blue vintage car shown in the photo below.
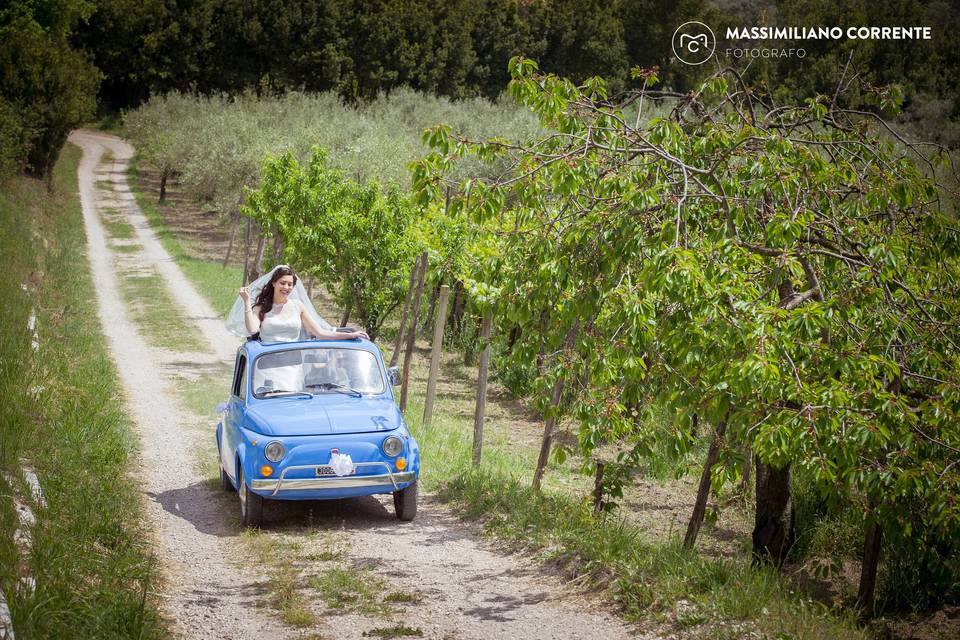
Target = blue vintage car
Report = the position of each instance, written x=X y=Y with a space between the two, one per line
x=315 y=420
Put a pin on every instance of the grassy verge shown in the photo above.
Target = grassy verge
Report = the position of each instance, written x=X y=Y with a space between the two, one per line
x=654 y=581
x=91 y=556
x=154 y=311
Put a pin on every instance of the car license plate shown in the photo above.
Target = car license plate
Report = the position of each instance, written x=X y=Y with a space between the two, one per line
x=327 y=470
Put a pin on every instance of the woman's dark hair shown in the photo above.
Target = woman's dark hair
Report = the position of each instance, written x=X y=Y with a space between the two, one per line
x=265 y=298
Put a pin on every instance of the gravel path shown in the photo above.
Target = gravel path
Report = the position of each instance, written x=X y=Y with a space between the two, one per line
x=467 y=589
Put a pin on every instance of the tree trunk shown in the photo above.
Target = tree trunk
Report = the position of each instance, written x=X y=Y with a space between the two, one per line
x=406 y=309
x=868 y=573
x=773 y=529
x=278 y=245
x=346 y=314
x=547 y=440
x=773 y=532
x=598 y=487
x=541 y=352
x=747 y=468
x=513 y=337
x=255 y=268
x=163 y=184
x=234 y=220
x=703 y=492
x=412 y=332
x=456 y=324
x=470 y=353
x=554 y=403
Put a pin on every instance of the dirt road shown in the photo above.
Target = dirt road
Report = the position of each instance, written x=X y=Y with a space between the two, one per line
x=463 y=587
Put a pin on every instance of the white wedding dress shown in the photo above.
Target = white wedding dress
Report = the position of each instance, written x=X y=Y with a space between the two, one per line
x=281 y=371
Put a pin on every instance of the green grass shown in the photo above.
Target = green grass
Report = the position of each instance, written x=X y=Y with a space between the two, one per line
x=285 y=595
x=645 y=577
x=403 y=597
x=202 y=395
x=91 y=555
x=154 y=311
x=351 y=590
x=396 y=631
x=126 y=248
x=118 y=229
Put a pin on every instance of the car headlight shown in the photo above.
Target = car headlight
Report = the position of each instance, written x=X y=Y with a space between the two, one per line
x=392 y=446
x=274 y=451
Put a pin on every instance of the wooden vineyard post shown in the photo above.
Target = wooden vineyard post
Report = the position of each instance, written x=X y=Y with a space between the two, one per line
x=700 y=506
x=246 y=254
x=438 y=326
x=406 y=310
x=412 y=332
x=481 y=388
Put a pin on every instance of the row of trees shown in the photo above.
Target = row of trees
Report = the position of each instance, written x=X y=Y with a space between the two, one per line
x=786 y=275
x=461 y=48
x=54 y=53
x=360 y=48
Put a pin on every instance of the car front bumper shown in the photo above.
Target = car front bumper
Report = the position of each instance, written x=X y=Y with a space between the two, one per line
x=282 y=483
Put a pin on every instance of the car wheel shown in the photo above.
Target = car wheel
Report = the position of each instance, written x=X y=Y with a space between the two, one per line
x=405 y=502
x=251 y=505
x=225 y=483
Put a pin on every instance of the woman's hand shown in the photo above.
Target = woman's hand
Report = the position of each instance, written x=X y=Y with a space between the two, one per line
x=358 y=334
x=250 y=319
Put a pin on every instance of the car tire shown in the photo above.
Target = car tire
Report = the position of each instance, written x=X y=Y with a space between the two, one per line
x=225 y=483
x=405 y=502
x=251 y=505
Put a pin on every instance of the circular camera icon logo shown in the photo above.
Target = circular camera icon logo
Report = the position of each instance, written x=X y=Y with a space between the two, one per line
x=693 y=43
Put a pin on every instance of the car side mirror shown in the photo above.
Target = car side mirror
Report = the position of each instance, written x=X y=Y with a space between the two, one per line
x=393 y=373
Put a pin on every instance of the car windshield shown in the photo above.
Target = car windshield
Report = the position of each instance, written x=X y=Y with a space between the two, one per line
x=317 y=370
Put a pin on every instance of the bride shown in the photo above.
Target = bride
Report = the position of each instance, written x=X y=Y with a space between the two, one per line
x=282 y=312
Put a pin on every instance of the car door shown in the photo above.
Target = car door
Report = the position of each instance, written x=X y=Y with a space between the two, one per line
x=234 y=417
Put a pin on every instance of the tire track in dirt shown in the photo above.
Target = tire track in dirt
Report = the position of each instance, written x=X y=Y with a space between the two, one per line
x=468 y=590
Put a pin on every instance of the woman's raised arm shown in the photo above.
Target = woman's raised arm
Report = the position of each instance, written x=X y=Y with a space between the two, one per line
x=251 y=319
x=323 y=334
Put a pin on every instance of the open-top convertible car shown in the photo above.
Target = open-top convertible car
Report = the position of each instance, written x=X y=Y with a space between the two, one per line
x=315 y=420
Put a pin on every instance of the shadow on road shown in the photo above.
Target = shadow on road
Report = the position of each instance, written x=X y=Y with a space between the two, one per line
x=215 y=512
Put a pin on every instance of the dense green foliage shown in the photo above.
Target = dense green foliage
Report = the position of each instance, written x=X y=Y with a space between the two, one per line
x=783 y=270
x=358 y=48
x=46 y=87
x=90 y=554
x=354 y=238
x=216 y=145
x=460 y=49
